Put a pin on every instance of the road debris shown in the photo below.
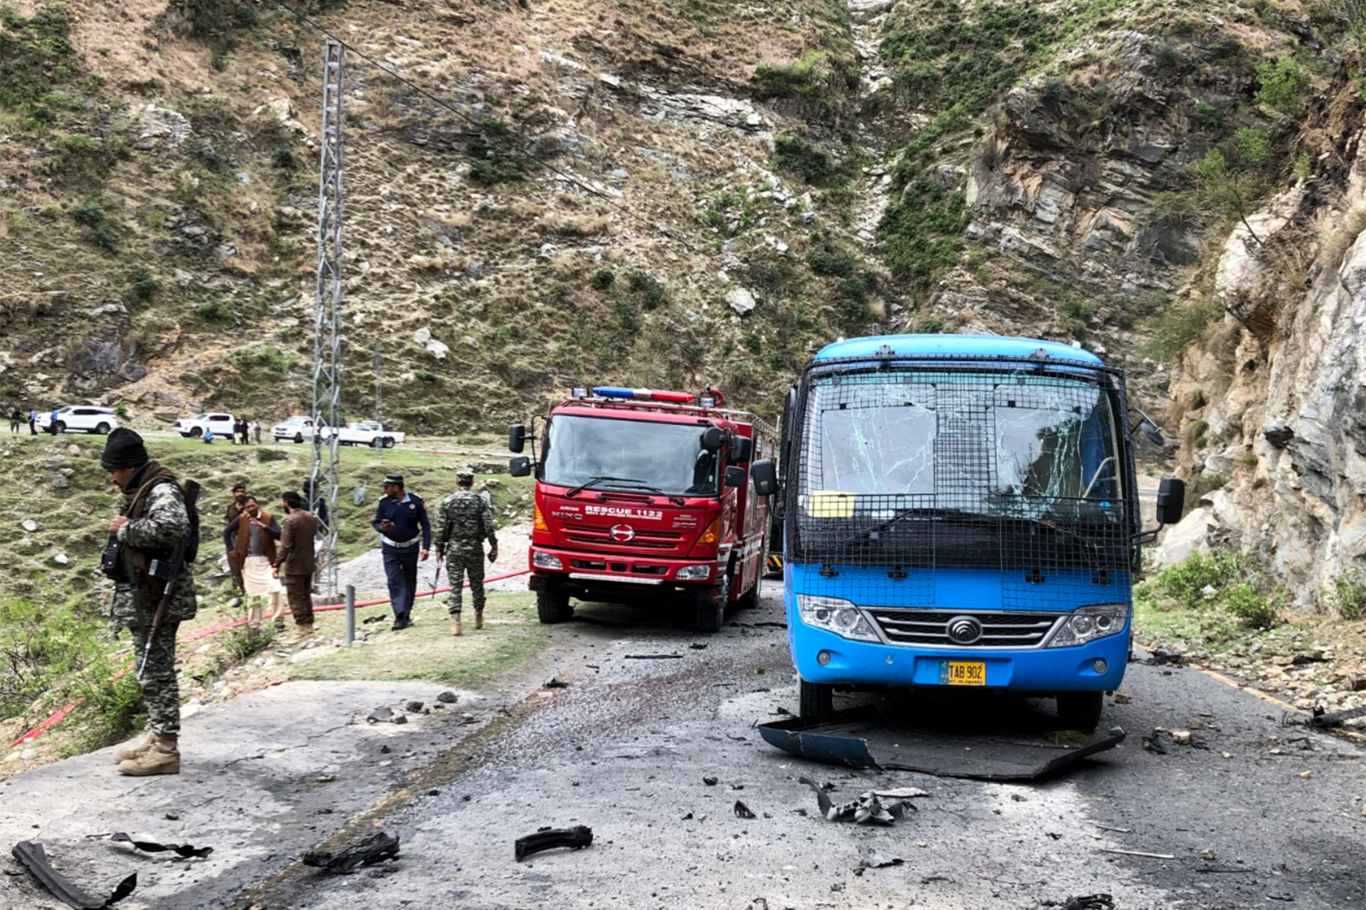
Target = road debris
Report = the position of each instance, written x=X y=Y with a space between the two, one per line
x=375 y=849
x=743 y=811
x=1160 y=658
x=1306 y=774
x=1327 y=719
x=1181 y=737
x=556 y=683
x=1089 y=902
x=653 y=657
x=33 y=857
x=1117 y=830
x=710 y=781
x=1141 y=853
x=575 y=838
x=867 y=808
x=698 y=646
x=1122 y=699
x=1153 y=744
x=184 y=851
x=1207 y=854
x=381 y=715
x=448 y=698
x=872 y=859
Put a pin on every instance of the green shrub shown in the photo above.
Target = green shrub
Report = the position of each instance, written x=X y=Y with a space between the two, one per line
x=928 y=325
x=795 y=155
x=651 y=292
x=1180 y=327
x=602 y=279
x=627 y=315
x=1253 y=145
x=142 y=286
x=1194 y=432
x=1186 y=583
x=265 y=455
x=1251 y=607
x=90 y=215
x=1168 y=61
x=1348 y=595
x=1281 y=84
x=245 y=642
x=831 y=263
x=35 y=56
x=922 y=231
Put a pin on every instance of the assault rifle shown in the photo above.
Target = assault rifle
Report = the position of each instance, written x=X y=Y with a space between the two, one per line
x=167 y=570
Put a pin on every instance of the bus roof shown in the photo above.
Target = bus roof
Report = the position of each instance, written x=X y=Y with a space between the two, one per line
x=954 y=345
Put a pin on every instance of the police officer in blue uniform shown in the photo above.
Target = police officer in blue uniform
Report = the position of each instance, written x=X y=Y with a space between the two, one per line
x=405 y=534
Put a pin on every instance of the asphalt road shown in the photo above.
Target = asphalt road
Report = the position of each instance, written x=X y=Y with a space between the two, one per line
x=625 y=747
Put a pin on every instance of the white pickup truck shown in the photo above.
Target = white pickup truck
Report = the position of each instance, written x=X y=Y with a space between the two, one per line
x=366 y=433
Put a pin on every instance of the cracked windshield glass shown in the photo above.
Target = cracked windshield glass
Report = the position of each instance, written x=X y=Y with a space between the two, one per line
x=1017 y=445
x=632 y=454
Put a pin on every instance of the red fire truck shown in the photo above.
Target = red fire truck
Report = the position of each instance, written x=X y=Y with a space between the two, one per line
x=645 y=495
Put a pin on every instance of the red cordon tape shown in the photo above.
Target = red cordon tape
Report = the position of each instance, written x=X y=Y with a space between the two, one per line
x=57 y=716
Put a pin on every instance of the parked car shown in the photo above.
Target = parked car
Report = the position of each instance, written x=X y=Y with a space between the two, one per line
x=297 y=428
x=80 y=418
x=194 y=427
x=367 y=433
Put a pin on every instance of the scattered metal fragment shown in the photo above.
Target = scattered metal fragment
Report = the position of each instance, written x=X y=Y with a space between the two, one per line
x=556 y=683
x=1090 y=902
x=654 y=657
x=867 y=809
x=33 y=857
x=1113 y=828
x=743 y=811
x=1136 y=853
x=184 y=851
x=1327 y=719
x=871 y=859
x=375 y=849
x=710 y=781
x=1153 y=744
x=698 y=646
x=1160 y=658
x=575 y=838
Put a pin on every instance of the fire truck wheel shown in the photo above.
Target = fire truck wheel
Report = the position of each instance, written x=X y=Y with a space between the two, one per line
x=816 y=701
x=750 y=599
x=1080 y=710
x=553 y=607
x=711 y=609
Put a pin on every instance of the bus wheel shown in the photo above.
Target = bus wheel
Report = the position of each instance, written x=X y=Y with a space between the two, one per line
x=1080 y=710
x=553 y=607
x=816 y=700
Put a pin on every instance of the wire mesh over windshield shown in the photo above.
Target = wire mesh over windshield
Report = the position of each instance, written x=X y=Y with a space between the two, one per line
x=922 y=468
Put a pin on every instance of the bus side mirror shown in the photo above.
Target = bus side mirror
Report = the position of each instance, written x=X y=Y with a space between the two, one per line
x=520 y=466
x=712 y=439
x=516 y=439
x=741 y=449
x=765 y=476
x=735 y=476
x=1171 y=500
x=1151 y=431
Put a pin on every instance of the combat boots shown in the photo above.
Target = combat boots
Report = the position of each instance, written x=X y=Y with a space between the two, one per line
x=132 y=752
x=162 y=756
x=302 y=634
x=479 y=619
x=455 y=623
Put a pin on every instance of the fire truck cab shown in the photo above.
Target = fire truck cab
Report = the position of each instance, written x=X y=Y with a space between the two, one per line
x=644 y=496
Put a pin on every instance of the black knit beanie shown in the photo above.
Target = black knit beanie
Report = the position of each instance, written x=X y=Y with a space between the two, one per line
x=124 y=449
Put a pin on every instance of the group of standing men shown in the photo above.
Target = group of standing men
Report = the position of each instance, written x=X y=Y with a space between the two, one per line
x=272 y=563
x=405 y=534
x=16 y=420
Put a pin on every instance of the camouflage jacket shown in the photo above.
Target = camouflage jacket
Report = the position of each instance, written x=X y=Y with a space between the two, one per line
x=157 y=522
x=466 y=520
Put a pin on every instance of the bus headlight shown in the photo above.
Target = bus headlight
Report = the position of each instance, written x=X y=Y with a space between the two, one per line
x=1090 y=623
x=835 y=615
x=545 y=560
x=694 y=573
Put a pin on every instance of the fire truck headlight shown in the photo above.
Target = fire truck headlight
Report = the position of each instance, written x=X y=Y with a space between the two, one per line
x=545 y=560
x=834 y=615
x=694 y=573
x=1090 y=623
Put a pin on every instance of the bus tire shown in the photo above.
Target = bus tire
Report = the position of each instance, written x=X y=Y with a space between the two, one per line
x=1080 y=710
x=553 y=607
x=816 y=701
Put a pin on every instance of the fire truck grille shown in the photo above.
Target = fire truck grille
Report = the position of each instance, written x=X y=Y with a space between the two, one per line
x=645 y=540
x=998 y=630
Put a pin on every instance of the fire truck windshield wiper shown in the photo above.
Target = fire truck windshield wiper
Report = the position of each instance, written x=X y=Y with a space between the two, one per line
x=594 y=481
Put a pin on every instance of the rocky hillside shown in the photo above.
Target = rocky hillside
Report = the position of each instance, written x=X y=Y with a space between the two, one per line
x=672 y=192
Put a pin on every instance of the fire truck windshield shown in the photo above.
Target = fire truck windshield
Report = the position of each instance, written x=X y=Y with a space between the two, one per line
x=666 y=456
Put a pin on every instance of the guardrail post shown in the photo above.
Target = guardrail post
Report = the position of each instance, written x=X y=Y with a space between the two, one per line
x=350 y=614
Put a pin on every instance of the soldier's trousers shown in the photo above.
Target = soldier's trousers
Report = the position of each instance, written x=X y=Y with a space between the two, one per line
x=458 y=564
x=160 y=688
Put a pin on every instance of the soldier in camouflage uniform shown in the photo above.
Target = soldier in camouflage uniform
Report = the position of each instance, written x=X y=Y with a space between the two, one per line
x=466 y=519
x=154 y=520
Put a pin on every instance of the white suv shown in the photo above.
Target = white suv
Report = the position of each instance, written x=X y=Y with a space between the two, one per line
x=297 y=428
x=80 y=419
x=194 y=427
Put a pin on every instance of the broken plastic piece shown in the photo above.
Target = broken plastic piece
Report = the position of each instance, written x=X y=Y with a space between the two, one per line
x=576 y=838
x=867 y=809
x=184 y=851
x=33 y=858
x=1090 y=902
x=372 y=850
x=743 y=811
x=872 y=859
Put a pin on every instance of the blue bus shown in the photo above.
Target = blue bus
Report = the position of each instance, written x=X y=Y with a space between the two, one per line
x=961 y=511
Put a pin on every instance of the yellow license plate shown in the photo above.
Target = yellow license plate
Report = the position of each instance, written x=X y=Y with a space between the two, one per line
x=964 y=673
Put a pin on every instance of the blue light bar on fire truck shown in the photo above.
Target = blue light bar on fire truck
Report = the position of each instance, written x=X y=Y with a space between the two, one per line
x=605 y=391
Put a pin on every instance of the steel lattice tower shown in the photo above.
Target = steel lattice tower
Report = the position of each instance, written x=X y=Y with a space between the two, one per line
x=324 y=475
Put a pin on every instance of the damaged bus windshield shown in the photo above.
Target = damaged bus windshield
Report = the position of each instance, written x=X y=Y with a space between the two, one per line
x=1024 y=444
x=630 y=454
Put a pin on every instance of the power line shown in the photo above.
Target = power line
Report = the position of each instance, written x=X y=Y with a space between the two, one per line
x=467 y=118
